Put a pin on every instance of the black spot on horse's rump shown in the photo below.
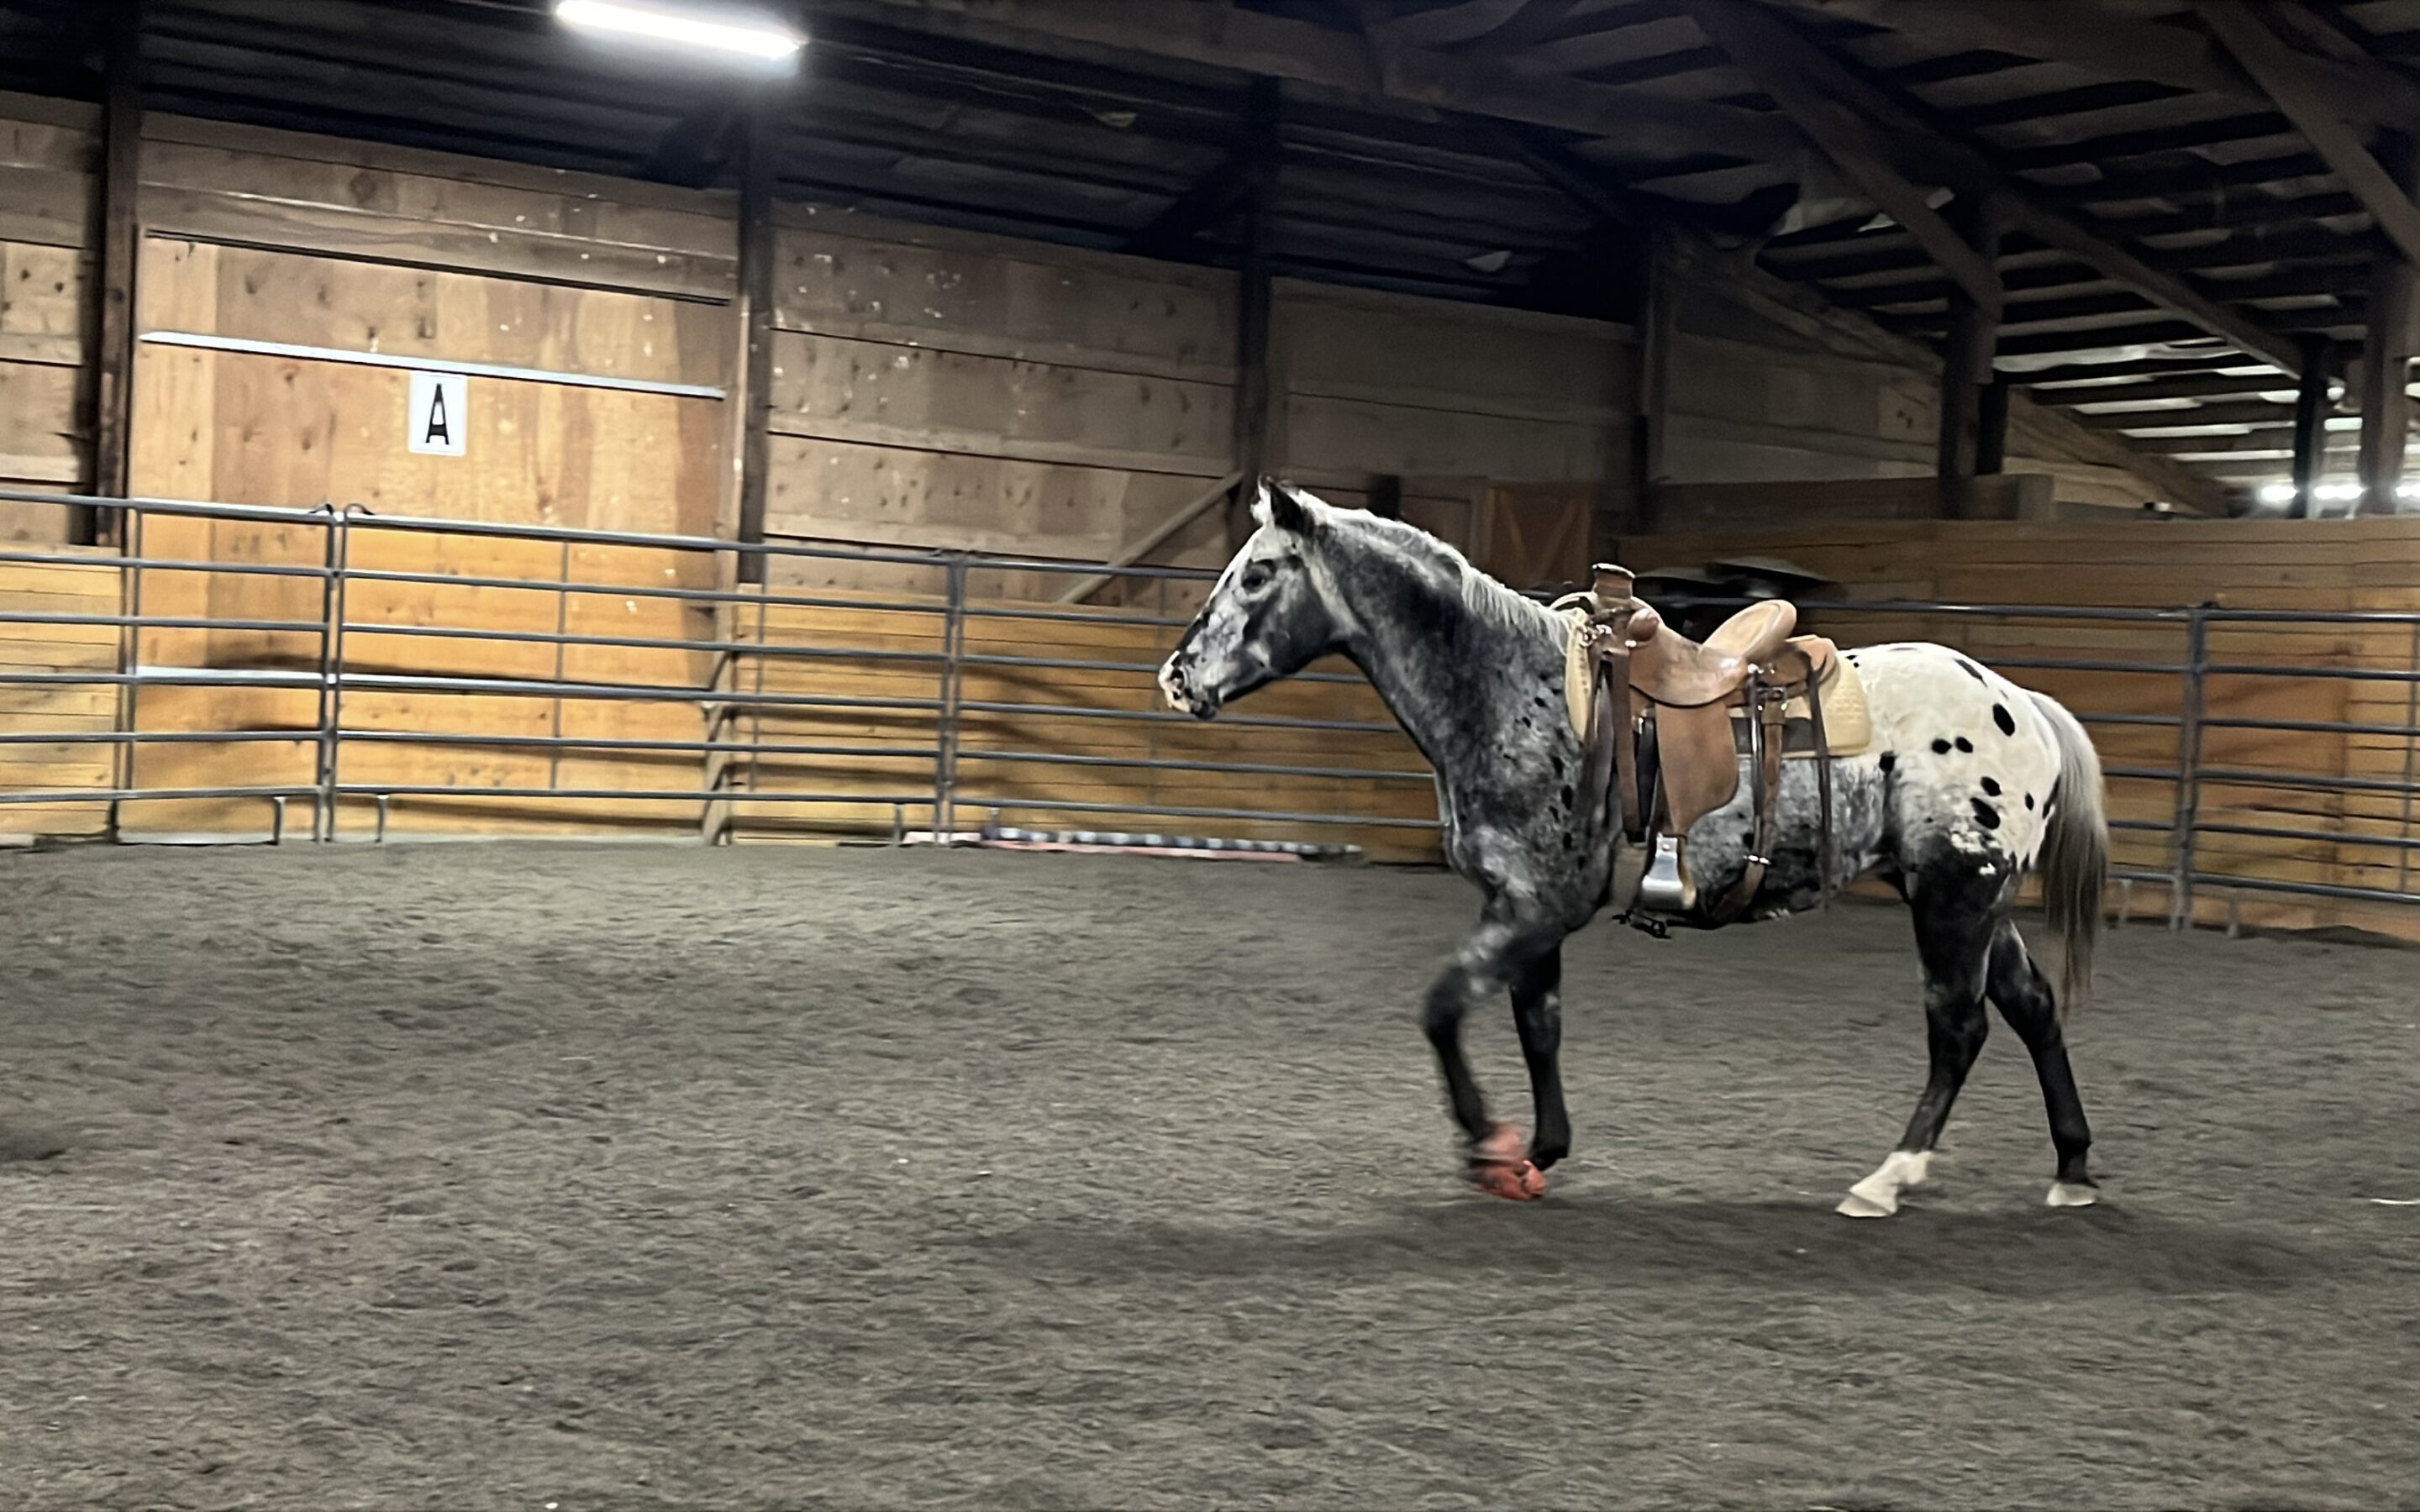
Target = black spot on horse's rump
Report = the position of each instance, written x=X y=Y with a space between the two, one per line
x=2001 y=717
x=1940 y=748
x=1985 y=815
x=1991 y=788
x=2029 y=801
x=1965 y=745
x=1557 y=762
x=1972 y=670
x=1889 y=760
x=1566 y=791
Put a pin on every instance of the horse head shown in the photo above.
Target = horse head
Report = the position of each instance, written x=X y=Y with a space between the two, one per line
x=1270 y=614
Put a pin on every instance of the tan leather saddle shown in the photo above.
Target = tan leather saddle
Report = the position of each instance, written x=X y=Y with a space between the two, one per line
x=1670 y=718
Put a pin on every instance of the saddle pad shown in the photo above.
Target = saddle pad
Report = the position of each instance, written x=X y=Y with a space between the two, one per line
x=1848 y=719
x=1579 y=688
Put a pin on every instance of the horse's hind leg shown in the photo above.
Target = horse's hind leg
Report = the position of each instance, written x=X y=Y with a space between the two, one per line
x=2024 y=999
x=1955 y=919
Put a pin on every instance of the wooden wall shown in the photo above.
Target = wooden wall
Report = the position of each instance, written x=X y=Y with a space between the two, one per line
x=1767 y=383
x=2313 y=566
x=950 y=389
x=48 y=157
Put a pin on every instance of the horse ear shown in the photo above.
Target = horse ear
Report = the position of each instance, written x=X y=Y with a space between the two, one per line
x=1286 y=507
x=1262 y=514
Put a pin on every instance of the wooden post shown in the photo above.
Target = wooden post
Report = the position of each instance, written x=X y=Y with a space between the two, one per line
x=759 y=146
x=1256 y=396
x=1658 y=330
x=1966 y=364
x=2311 y=408
x=111 y=393
x=2386 y=351
x=1991 y=428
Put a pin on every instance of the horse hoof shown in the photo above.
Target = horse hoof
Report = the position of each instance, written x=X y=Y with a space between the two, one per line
x=2072 y=1195
x=1876 y=1196
x=1855 y=1206
x=1500 y=1166
x=1519 y=1181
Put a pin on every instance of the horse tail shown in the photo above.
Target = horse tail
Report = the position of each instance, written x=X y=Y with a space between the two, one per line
x=2075 y=862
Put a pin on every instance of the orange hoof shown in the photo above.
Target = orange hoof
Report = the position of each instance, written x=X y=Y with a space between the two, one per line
x=1500 y=1166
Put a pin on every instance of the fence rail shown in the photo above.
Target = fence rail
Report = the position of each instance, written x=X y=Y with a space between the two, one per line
x=937 y=697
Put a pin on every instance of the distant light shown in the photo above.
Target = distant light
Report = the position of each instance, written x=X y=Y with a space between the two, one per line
x=2276 y=493
x=760 y=37
x=2337 y=493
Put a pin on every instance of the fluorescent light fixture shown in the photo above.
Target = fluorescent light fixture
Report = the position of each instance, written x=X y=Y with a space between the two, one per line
x=761 y=38
x=2337 y=493
x=2276 y=493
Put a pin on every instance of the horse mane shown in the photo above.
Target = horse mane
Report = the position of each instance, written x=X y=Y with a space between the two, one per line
x=1489 y=600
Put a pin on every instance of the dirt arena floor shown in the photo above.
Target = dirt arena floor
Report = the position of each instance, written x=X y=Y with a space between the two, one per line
x=580 y=1176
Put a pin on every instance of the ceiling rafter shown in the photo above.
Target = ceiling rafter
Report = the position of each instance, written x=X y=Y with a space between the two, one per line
x=2291 y=81
x=1253 y=42
x=2091 y=36
x=1776 y=51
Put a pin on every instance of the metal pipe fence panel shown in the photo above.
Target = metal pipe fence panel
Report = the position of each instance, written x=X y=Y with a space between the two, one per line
x=793 y=705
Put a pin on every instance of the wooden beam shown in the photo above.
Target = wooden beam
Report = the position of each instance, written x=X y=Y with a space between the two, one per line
x=1217 y=195
x=2287 y=77
x=760 y=147
x=2383 y=399
x=1764 y=49
x=1449 y=24
x=1257 y=42
x=2254 y=412
x=1256 y=396
x=2089 y=34
x=2311 y=405
x=1909 y=140
x=1158 y=536
x=121 y=234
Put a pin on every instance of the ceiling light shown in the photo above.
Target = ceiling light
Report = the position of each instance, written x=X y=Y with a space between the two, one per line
x=741 y=33
x=2276 y=493
x=2336 y=493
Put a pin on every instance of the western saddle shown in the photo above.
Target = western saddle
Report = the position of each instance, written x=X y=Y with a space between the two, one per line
x=1666 y=719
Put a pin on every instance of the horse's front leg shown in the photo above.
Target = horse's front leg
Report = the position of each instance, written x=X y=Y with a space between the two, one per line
x=1538 y=1012
x=1484 y=966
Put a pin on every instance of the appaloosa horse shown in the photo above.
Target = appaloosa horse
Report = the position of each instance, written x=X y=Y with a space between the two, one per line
x=1969 y=782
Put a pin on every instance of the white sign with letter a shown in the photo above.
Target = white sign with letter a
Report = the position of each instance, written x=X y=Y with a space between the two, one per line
x=439 y=419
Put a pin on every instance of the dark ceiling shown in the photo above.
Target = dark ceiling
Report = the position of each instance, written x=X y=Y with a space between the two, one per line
x=993 y=117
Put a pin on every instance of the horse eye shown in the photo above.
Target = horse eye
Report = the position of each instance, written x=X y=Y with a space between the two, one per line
x=1255 y=578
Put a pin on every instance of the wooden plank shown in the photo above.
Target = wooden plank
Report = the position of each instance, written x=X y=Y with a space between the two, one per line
x=577 y=261
x=997 y=297
x=46 y=206
x=837 y=389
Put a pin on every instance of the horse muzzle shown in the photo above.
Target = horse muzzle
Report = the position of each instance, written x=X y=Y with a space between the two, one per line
x=1176 y=685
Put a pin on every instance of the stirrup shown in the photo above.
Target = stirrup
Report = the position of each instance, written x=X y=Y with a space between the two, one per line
x=1666 y=888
